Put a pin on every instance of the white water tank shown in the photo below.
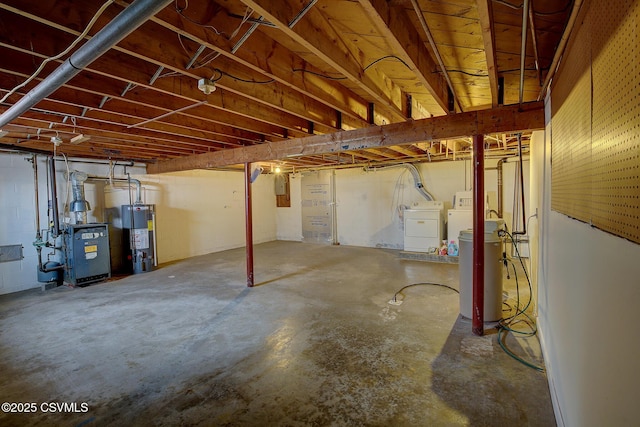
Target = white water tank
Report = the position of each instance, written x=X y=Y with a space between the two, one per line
x=492 y=272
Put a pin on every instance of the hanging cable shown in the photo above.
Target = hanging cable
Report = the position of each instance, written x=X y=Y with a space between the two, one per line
x=61 y=54
x=181 y=13
x=507 y=324
x=386 y=57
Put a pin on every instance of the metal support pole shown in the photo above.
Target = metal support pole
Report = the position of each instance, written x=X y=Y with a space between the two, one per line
x=478 y=235
x=249 y=223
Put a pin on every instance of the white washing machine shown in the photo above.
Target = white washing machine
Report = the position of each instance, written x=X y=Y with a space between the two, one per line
x=424 y=227
x=461 y=216
x=458 y=220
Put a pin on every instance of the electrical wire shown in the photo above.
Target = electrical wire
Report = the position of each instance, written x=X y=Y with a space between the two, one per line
x=222 y=73
x=395 y=296
x=247 y=14
x=324 y=76
x=61 y=54
x=181 y=13
x=507 y=324
x=383 y=58
x=519 y=6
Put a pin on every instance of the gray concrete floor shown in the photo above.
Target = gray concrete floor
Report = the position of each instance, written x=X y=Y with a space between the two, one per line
x=316 y=342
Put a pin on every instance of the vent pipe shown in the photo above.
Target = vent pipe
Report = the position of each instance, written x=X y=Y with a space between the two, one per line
x=121 y=26
x=79 y=205
x=415 y=173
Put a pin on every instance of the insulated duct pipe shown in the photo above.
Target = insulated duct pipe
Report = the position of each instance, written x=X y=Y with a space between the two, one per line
x=415 y=173
x=79 y=205
x=121 y=26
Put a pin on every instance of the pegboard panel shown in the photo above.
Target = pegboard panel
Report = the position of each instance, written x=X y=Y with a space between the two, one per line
x=571 y=131
x=596 y=122
x=616 y=118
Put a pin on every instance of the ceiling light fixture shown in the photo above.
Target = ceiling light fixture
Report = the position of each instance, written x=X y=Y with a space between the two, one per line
x=56 y=140
x=80 y=139
x=206 y=86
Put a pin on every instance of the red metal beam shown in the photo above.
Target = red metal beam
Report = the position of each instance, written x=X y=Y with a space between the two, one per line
x=249 y=223
x=478 y=235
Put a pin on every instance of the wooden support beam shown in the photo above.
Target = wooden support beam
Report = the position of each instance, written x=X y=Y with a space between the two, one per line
x=513 y=118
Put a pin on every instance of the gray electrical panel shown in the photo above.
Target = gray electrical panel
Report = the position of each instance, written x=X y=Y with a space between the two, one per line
x=87 y=253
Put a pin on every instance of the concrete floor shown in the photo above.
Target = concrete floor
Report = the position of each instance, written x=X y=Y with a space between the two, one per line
x=315 y=343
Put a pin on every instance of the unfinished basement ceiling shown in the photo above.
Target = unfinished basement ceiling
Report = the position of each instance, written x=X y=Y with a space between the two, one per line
x=282 y=69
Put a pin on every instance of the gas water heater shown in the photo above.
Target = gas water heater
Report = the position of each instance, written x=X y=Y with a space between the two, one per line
x=138 y=227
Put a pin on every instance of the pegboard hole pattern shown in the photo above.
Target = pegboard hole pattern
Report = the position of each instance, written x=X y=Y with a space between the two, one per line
x=596 y=164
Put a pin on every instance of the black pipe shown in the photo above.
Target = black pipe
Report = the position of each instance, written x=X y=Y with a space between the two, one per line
x=499 y=168
x=54 y=197
x=524 y=215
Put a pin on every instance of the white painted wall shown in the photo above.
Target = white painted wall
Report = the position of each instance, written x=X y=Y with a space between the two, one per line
x=198 y=212
x=588 y=297
x=368 y=202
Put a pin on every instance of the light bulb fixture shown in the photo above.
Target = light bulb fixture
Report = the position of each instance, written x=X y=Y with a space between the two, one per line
x=278 y=169
x=80 y=139
x=206 y=86
x=56 y=140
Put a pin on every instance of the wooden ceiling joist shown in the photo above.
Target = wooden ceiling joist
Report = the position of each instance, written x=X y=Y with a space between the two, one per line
x=485 y=14
x=316 y=35
x=394 y=24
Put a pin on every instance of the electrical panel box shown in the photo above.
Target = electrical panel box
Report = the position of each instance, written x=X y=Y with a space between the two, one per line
x=87 y=253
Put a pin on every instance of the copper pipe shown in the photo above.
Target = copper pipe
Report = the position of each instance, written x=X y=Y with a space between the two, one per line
x=478 y=235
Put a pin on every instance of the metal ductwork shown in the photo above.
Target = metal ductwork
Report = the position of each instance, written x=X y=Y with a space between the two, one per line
x=415 y=173
x=122 y=25
x=79 y=205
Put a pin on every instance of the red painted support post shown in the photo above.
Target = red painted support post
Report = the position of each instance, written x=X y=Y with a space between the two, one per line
x=478 y=235
x=249 y=223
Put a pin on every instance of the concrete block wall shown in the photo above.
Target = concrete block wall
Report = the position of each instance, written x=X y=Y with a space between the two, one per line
x=17 y=221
